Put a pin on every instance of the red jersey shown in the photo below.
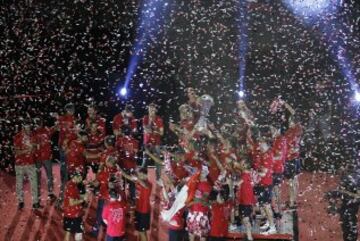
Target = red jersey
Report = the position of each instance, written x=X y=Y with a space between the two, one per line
x=187 y=124
x=214 y=171
x=245 y=193
x=66 y=127
x=23 y=141
x=43 y=141
x=255 y=153
x=114 y=214
x=279 y=149
x=196 y=109
x=203 y=188
x=119 y=120
x=95 y=146
x=101 y=125
x=70 y=136
x=220 y=217
x=103 y=178
x=95 y=140
x=72 y=192
x=192 y=161
x=293 y=138
x=111 y=151
x=266 y=161
x=75 y=156
x=178 y=170
x=143 y=197
x=155 y=125
x=128 y=148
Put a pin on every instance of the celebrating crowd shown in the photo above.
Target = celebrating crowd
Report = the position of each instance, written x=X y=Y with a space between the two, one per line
x=223 y=176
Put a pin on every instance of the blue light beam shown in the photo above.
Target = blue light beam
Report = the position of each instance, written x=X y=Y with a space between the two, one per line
x=357 y=96
x=311 y=10
x=153 y=14
x=332 y=31
x=123 y=91
x=241 y=94
x=243 y=44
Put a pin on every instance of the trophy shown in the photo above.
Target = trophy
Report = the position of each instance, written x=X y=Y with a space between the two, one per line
x=205 y=103
x=186 y=112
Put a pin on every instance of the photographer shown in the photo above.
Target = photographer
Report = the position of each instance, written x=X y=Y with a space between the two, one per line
x=348 y=193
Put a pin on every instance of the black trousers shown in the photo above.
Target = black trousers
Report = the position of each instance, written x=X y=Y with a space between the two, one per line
x=348 y=215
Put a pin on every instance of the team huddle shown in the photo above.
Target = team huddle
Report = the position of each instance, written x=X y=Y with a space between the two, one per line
x=212 y=180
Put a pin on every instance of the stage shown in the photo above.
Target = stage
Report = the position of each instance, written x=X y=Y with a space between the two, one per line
x=310 y=222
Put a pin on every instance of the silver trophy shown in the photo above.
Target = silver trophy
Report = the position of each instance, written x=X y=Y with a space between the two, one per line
x=205 y=103
x=186 y=112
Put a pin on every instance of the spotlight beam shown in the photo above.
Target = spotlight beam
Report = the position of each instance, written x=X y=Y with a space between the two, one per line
x=243 y=44
x=241 y=94
x=153 y=14
x=329 y=29
x=357 y=96
x=123 y=91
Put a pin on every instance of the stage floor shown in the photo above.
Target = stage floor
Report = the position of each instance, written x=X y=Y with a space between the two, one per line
x=313 y=223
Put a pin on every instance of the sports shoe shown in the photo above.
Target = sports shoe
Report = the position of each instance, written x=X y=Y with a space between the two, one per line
x=291 y=207
x=270 y=230
x=51 y=197
x=247 y=239
x=277 y=215
x=36 y=206
x=233 y=227
x=94 y=232
x=21 y=205
x=265 y=226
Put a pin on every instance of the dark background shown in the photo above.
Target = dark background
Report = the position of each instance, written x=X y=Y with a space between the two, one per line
x=53 y=52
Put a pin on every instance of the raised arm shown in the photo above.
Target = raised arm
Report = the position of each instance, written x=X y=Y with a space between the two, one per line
x=164 y=191
x=128 y=177
x=218 y=163
x=289 y=108
x=351 y=194
x=215 y=132
x=176 y=129
x=152 y=156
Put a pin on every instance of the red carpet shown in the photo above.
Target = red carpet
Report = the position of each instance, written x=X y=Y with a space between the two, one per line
x=46 y=224
x=314 y=222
